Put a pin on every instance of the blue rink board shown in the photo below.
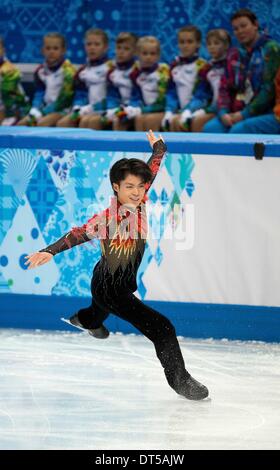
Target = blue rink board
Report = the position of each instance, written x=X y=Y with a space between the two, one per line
x=86 y=139
x=235 y=322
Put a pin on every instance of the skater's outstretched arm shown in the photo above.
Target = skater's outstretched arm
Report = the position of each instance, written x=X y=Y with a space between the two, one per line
x=94 y=228
x=76 y=236
x=159 y=149
x=64 y=243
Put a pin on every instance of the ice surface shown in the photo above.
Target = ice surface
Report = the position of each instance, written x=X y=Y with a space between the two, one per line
x=71 y=391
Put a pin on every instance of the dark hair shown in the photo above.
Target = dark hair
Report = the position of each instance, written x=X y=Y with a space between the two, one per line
x=191 y=29
x=2 y=42
x=133 y=166
x=244 y=12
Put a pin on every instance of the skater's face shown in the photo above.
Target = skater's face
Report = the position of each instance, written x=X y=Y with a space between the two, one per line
x=188 y=44
x=95 y=46
x=53 y=50
x=245 y=31
x=130 y=191
x=124 y=52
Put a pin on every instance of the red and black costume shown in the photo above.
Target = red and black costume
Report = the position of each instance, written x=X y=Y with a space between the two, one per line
x=114 y=277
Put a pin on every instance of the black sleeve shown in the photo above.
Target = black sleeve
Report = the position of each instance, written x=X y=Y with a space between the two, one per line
x=159 y=149
x=75 y=237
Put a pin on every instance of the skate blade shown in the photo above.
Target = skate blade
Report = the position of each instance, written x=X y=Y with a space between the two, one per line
x=69 y=323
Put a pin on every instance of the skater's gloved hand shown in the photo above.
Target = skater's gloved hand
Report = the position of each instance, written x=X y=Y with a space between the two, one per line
x=167 y=118
x=37 y=259
x=132 y=111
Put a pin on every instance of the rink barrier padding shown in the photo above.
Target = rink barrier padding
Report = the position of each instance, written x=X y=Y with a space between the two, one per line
x=234 y=322
x=86 y=139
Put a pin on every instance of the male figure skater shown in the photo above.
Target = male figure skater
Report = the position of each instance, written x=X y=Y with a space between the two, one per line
x=122 y=231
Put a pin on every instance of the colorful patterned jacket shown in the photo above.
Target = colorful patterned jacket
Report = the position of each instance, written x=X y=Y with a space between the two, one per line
x=91 y=84
x=13 y=100
x=150 y=87
x=120 y=84
x=248 y=82
x=205 y=95
x=54 y=87
x=182 y=82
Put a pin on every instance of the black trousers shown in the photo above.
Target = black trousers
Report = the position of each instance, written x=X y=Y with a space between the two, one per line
x=155 y=326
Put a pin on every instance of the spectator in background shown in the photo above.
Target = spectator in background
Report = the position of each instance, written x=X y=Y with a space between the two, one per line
x=150 y=81
x=90 y=84
x=13 y=101
x=267 y=123
x=183 y=78
x=203 y=104
x=247 y=92
x=54 y=84
x=119 y=84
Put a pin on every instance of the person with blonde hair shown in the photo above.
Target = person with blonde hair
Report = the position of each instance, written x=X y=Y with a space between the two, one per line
x=90 y=85
x=150 y=86
x=54 y=84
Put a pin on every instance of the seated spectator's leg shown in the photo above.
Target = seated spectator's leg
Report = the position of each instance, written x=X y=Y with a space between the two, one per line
x=175 y=125
x=153 y=121
x=215 y=126
x=264 y=124
x=2 y=116
x=140 y=124
x=123 y=126
x=23 y=121
x=50 y=120
x=93 y=121
x=84 y=121
x=66 y=121
x=199 y=121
